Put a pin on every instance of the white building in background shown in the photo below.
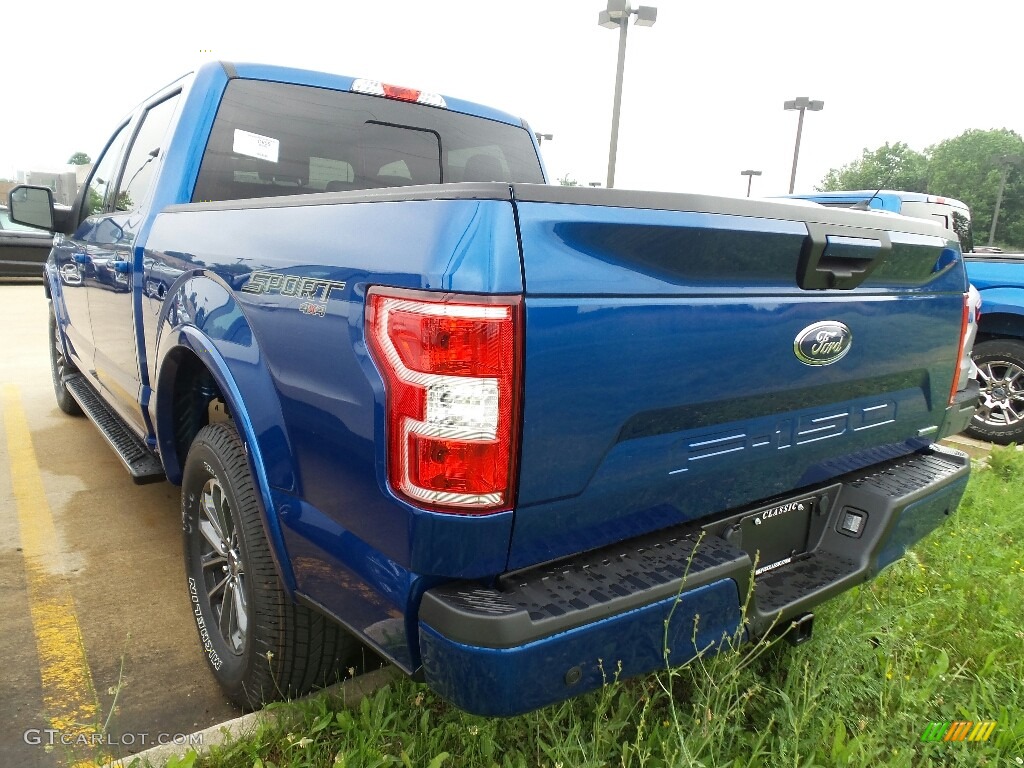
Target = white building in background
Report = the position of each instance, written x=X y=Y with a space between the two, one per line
x=64 y=181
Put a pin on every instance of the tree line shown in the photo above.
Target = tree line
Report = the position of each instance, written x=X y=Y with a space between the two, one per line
x=969 y=167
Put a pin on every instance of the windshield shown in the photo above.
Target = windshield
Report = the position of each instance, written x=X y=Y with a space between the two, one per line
x=283 y=139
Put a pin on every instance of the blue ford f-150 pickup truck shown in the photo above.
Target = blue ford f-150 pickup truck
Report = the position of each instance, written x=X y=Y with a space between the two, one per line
x=513 y=436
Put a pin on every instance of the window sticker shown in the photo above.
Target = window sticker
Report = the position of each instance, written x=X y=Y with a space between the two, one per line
x=254 y=145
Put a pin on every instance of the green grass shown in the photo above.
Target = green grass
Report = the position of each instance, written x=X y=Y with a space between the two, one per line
x=937 y=636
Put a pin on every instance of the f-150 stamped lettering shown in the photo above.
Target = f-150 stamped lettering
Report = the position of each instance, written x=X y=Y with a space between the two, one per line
x=786 y=433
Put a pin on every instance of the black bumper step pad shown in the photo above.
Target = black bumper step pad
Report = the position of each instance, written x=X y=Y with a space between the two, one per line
x=541 y=601
x=813 y=575
x=905 y=477
x=143 y=465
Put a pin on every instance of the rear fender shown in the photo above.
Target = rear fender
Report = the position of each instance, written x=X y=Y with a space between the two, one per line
x=202 y=319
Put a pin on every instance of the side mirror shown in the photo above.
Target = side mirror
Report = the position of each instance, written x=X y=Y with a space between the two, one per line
x=32 y=206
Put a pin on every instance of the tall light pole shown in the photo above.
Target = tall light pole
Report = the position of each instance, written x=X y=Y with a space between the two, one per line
x=750 y=178
x=1005 y=161
x=801 y=103
x=617 y=16
x=542 y=136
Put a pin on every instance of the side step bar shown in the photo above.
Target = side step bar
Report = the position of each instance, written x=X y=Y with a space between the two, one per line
x=143 y=465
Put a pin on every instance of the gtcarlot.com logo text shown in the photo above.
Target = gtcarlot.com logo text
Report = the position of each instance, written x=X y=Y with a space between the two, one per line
x=51 y=737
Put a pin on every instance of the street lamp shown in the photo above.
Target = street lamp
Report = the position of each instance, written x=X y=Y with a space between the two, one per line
x=801 y=103
x=617 y=16
x=750 y=178
x=1005 y=161
x=541 y=136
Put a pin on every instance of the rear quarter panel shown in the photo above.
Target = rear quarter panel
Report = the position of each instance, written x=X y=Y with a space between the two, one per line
x=309 y=388
x=327 y=443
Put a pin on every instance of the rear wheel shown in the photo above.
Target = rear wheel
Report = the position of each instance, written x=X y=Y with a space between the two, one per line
x=258 y=643
x=1000 y=418
x=60 y=367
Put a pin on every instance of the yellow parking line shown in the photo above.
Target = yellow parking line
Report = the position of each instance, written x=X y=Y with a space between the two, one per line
x=68 y=693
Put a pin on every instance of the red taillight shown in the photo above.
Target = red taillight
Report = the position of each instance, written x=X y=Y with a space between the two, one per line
x=968 y=330
x=451 y=371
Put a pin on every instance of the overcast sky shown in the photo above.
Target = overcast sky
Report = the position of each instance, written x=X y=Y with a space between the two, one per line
x=703 y=94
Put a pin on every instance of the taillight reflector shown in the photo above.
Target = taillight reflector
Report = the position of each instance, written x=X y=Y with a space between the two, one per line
x=377 y=88
x=451 y=371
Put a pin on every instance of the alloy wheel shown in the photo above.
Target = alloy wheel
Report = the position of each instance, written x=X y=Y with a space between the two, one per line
x=223 y=567
x=1002 y=394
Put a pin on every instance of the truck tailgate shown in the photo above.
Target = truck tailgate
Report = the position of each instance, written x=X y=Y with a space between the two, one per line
x=662 y=381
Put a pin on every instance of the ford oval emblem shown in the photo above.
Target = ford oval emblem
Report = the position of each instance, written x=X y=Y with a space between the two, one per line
x=823 y=343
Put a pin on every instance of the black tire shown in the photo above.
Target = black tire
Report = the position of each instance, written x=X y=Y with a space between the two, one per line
x=60 y=367
x=267 y=647
x=1000 y=418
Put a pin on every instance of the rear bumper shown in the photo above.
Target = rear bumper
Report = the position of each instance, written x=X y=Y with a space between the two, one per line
x=552 y=632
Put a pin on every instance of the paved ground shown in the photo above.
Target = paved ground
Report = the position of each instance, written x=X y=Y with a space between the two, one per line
x=976 y=449
x=91 y=577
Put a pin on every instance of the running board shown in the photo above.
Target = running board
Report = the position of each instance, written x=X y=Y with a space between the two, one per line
x=143 y=465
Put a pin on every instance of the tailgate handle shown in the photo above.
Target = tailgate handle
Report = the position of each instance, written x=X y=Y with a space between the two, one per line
x=840 y=257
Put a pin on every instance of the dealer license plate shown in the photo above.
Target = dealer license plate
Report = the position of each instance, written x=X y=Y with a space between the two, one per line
x=775 y=535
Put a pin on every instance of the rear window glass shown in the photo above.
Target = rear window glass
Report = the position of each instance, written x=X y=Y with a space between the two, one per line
x=279 y=139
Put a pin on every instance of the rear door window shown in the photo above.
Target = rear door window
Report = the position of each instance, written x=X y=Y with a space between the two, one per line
x=141 y=165
x=101 y=183
x=273 y=139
